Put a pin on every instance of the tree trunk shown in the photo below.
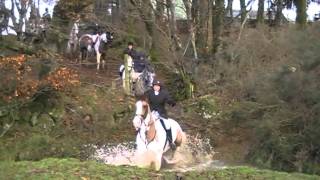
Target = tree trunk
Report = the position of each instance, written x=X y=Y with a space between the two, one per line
x=13 y=16
x=195 y=11
x=260 y=16
x=229 y=9
x=159 y=11
x=202 y=31
x=301 y=18
x=243 y=10
x=191 y=30
x=218 y=15
x=22 y=7
x=210 y=27
x=116 y=12
x=173 y=24
x=278 y=16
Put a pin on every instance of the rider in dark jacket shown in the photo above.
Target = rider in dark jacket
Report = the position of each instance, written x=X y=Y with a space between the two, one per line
x=139 y=62
x=130 y=51
x=158 y=97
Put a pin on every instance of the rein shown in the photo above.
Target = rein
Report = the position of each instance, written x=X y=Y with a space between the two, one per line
x=149 y=126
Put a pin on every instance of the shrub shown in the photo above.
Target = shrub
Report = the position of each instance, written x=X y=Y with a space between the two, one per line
x=27 y=90
x=277 y=73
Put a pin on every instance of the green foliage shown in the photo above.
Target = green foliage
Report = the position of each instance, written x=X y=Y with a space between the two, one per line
x=205 y=106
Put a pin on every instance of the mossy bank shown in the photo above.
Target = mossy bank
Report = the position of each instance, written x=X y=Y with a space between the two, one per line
x=75 y=169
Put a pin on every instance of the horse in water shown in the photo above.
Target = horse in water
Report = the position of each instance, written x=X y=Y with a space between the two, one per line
x=151 y=139
x=94 y=44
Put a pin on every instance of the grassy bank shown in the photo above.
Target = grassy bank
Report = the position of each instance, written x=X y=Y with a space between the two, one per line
x=75 y=169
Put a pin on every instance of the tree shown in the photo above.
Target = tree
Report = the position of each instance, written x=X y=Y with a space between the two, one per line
x=217 y=23
x=22 y=7
x=278 y=17
x=229 y=9
x=4 y=17
x=173 y=23
x=202 y=31
x=160 y=10
x=260 y=15
x=191 y=26
x=243 y=10
x=301 y=18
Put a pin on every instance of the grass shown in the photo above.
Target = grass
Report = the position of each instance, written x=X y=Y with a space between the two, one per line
x=74 y=169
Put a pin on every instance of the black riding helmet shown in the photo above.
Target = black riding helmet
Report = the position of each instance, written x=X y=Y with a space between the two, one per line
x=156 y=82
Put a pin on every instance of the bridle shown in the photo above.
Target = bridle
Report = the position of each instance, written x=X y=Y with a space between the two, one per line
x=147 y=125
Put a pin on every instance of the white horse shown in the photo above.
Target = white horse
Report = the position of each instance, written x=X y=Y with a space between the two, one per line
x=151 y=139
x=85 y=44
x=73 y=39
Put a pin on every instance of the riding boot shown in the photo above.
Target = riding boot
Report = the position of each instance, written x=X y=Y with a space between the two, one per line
x=171 y=143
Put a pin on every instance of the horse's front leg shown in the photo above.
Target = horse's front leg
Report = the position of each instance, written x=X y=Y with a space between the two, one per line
x=103 y=63
x=98 y=60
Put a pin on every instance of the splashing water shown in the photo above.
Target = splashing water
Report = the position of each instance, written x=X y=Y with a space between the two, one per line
x=120 y=154
x=196 y=154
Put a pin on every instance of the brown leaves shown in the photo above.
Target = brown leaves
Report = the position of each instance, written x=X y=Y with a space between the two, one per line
x=63 y=78
x=17 y=82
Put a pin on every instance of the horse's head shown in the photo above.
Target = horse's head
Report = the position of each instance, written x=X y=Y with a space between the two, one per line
x=107 y=37
x=143 y=115
x=141 y=110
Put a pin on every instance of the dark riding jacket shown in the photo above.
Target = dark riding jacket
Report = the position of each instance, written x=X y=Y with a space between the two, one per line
x=157 y=102
x=130 y=52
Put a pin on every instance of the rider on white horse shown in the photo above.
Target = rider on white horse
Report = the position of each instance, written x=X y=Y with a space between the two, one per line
x=158 y=97
x=152 y=136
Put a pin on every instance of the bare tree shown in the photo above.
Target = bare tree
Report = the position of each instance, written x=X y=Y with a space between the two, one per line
x=243 y=10
x=160 y=7
x=229 y=9
x=218 y=16
x=173 y=23
x=278 y=16
x=203 y=29
x=191 y=26
x=4 y=17
x=301 y=18
x=260 y=16
x=22 y=6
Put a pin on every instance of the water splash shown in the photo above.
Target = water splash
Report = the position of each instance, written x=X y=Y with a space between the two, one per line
x=115 y=154
x=196 y=154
